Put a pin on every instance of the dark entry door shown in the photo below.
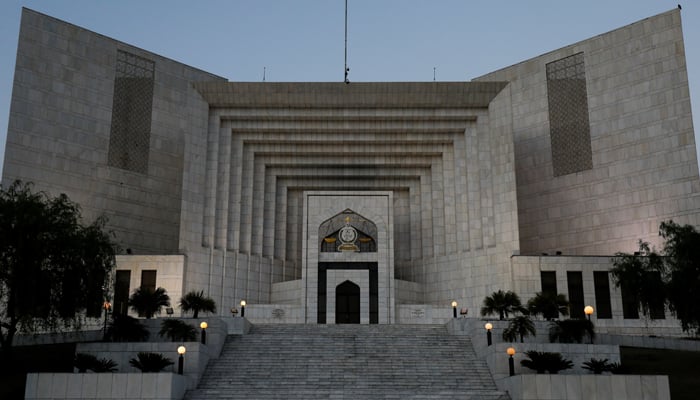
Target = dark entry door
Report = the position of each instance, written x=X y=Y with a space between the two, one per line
x=347 y=303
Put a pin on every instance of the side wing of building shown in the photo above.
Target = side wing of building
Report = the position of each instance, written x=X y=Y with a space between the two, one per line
x=604 y=142
x=107 y=124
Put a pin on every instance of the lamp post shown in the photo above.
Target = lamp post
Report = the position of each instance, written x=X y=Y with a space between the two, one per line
x=204 y=326
x=181 y=360
x=454 y=309
x=488 y=327
x=588 y=310
x=243 y=303
x=106 y=306
x=511 y=362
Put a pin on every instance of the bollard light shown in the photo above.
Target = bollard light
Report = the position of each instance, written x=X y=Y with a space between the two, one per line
x=204 y=326
x=511 y=362
x=488 y=327
x=181 y=360
x=243 y=303
x=454 y=309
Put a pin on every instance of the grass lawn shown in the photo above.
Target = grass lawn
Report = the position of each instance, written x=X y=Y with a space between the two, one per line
x=682 y=367
x=22 y=359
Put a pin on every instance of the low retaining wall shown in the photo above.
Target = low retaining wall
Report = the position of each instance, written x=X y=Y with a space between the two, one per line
x=165 y=386
x=586 y=387
x=650 y=342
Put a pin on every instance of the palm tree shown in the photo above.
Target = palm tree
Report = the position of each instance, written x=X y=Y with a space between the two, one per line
x=519 y=326
x=196 y=301
x=549 y=304
x=177 y=330
x=502 y=303
x=148 y=302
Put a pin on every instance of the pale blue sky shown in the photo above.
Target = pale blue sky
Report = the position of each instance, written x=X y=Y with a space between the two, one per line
x=388 y=40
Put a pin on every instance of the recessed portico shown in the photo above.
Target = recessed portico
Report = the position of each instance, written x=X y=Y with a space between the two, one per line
x=348 y=238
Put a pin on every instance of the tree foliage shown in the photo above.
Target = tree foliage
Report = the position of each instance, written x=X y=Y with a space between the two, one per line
x=641 y=276
x=196 y=301
x=682 y=251
x=671 y=277
x=147 y=302
x=501 y=303
x=54 y=271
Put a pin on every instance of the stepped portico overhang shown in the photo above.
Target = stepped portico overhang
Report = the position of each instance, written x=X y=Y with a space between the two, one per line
x=353 y=95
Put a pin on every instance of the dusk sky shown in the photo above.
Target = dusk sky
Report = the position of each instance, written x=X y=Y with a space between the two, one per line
x=388 y=40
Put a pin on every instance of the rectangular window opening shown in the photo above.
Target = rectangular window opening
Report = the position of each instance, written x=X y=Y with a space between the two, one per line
x=601 y=284
x=575 y=285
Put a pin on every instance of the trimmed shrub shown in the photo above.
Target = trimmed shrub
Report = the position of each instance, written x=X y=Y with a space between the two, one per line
x=597 y=366
x=150 y=362
x=84 y=362
x=542 y=361
x=124 y=328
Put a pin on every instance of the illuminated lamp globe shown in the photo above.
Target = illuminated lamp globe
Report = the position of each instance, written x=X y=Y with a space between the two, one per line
x=488 y=326
x=511 y=351
x=588 y=310
x=181 y=350
x=454 y=304
x=204 y=325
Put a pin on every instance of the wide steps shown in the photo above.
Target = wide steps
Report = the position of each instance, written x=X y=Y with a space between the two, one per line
x=347 y=361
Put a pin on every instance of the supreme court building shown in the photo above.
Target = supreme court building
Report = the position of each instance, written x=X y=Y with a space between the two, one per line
x=368 y=202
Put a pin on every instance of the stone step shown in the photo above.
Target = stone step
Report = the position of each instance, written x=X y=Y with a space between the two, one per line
x=347 y=361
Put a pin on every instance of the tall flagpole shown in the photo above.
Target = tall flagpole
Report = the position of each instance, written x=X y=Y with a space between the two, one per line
x=346 y=70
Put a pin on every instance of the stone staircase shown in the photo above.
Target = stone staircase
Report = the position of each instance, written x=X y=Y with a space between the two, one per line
x=347 y=362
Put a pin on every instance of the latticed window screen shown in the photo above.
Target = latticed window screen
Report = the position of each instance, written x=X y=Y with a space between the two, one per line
x=569 y=127
x=132 y=106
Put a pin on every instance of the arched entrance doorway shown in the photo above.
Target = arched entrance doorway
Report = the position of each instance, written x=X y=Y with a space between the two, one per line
x=347 y=303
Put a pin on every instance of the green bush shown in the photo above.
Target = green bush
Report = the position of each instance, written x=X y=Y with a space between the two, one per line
x=178 y=331
x=150 y=362
x=571 y=330
x=542 y=361
x=84 y=362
